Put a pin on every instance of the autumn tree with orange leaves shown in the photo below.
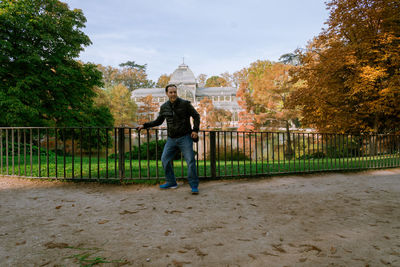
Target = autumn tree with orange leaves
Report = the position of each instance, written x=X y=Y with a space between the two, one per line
x=146 y=109
x=350 y=72
x=163 y=81
x=212 y=117
x=263 y=94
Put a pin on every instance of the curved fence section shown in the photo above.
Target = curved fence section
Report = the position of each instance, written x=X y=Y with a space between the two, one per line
x=127 y=154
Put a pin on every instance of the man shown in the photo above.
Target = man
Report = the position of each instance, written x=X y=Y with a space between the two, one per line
x=177 y=112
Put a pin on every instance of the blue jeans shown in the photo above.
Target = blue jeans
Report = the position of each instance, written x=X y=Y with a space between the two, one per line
x=185 y=145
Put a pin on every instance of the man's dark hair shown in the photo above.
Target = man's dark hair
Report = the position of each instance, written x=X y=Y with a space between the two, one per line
x=168 y=86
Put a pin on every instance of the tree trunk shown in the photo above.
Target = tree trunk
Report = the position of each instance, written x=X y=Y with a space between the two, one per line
x=289 y=149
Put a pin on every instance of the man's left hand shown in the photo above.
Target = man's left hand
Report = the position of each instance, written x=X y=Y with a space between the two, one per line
x=194 y=135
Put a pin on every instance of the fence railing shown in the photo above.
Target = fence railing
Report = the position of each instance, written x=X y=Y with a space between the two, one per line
x=125 y=153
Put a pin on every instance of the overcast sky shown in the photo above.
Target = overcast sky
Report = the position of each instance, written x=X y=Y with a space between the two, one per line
x=212 y=36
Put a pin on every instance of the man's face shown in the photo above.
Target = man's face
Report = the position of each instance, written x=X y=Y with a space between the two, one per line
x=172 y=94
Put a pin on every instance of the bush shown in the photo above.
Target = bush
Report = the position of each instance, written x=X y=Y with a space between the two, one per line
x=152 y=151
x=236 y=155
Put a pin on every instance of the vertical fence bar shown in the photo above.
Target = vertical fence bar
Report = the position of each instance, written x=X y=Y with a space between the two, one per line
x=225 y=152
x=352 y=152
x=304 y=153
x=39 y=160
x=313 y=151
x=139 y=156
x=343 y=153
x=98 y=153
x=148 y=152
x=31 y=152
x=308 y=152
x=347 y=150
x=231 y=154
x=80 y=150
x=213 y=154
x=56 y=150
x=47 y=152
x=130 y=151
x=273 y=152
x=256 y=150
x=116 y=153
x=377 y=159
x=205 y=154
x=244 y=152
x=318 y=152
x=249 y=135
x=294 y=151
x=157 y=174
x=299 y=149
x=12 y=151
x=19 y=151
x=237 y=153
x=284 y=153
x=335 y=146
x=90 y=152
x=278 y=145
x=262 y=153
x=288 y=152
x=1 y=151
x=73 y=152
x=268 y=168
x=383 y=151
x=121 y=152
x=218 y=155
x=64 y=161
x=7 y=171
x=362 y=151
x=106 y=135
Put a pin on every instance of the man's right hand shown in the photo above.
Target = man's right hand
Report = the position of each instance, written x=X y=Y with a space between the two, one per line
x=139 y=127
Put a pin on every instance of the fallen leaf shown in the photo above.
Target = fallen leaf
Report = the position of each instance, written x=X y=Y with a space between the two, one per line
x=56 y=245
x=20 y=243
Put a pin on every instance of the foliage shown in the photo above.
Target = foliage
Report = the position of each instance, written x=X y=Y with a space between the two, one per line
x=212 y=117
x=216 y=81
x=118 y=100
x=41 y=83
x=201 y=79
x=163 y=81
x=146 y=109
x=131 y=75
x=350 y=72
x=231 y=155
x=152 y=145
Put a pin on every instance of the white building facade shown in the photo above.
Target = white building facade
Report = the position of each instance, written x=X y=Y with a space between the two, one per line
x=222 y=97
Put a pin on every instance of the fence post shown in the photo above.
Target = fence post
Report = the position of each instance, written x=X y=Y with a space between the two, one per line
x=121 y=152
x=213 y=153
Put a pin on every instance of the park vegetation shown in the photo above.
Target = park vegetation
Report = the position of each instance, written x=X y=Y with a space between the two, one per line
x=346 y=80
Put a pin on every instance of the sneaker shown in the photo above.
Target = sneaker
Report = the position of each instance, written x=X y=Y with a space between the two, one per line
x=195 y=191
x=168 y=186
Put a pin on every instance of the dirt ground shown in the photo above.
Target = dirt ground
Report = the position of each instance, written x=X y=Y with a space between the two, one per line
x=345 y=219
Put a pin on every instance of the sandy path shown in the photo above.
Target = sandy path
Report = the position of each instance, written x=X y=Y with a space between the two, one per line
x=314 y=220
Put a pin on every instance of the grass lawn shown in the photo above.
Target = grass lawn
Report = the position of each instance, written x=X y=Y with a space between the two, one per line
x=102 y=168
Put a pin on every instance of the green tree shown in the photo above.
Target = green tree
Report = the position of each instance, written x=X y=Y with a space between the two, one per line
x=216 y=81
x=41 y=82
x=118 y=100
x=131 y=75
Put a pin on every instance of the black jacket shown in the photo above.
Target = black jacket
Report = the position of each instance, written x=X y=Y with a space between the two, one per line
x=178 y=116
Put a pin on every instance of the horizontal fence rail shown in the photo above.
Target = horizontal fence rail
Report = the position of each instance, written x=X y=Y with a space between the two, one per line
x=128 y=154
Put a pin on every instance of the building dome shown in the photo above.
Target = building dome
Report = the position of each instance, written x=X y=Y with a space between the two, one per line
x=182 y=75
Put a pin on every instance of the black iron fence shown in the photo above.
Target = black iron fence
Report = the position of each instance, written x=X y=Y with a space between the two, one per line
x=125 y=153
